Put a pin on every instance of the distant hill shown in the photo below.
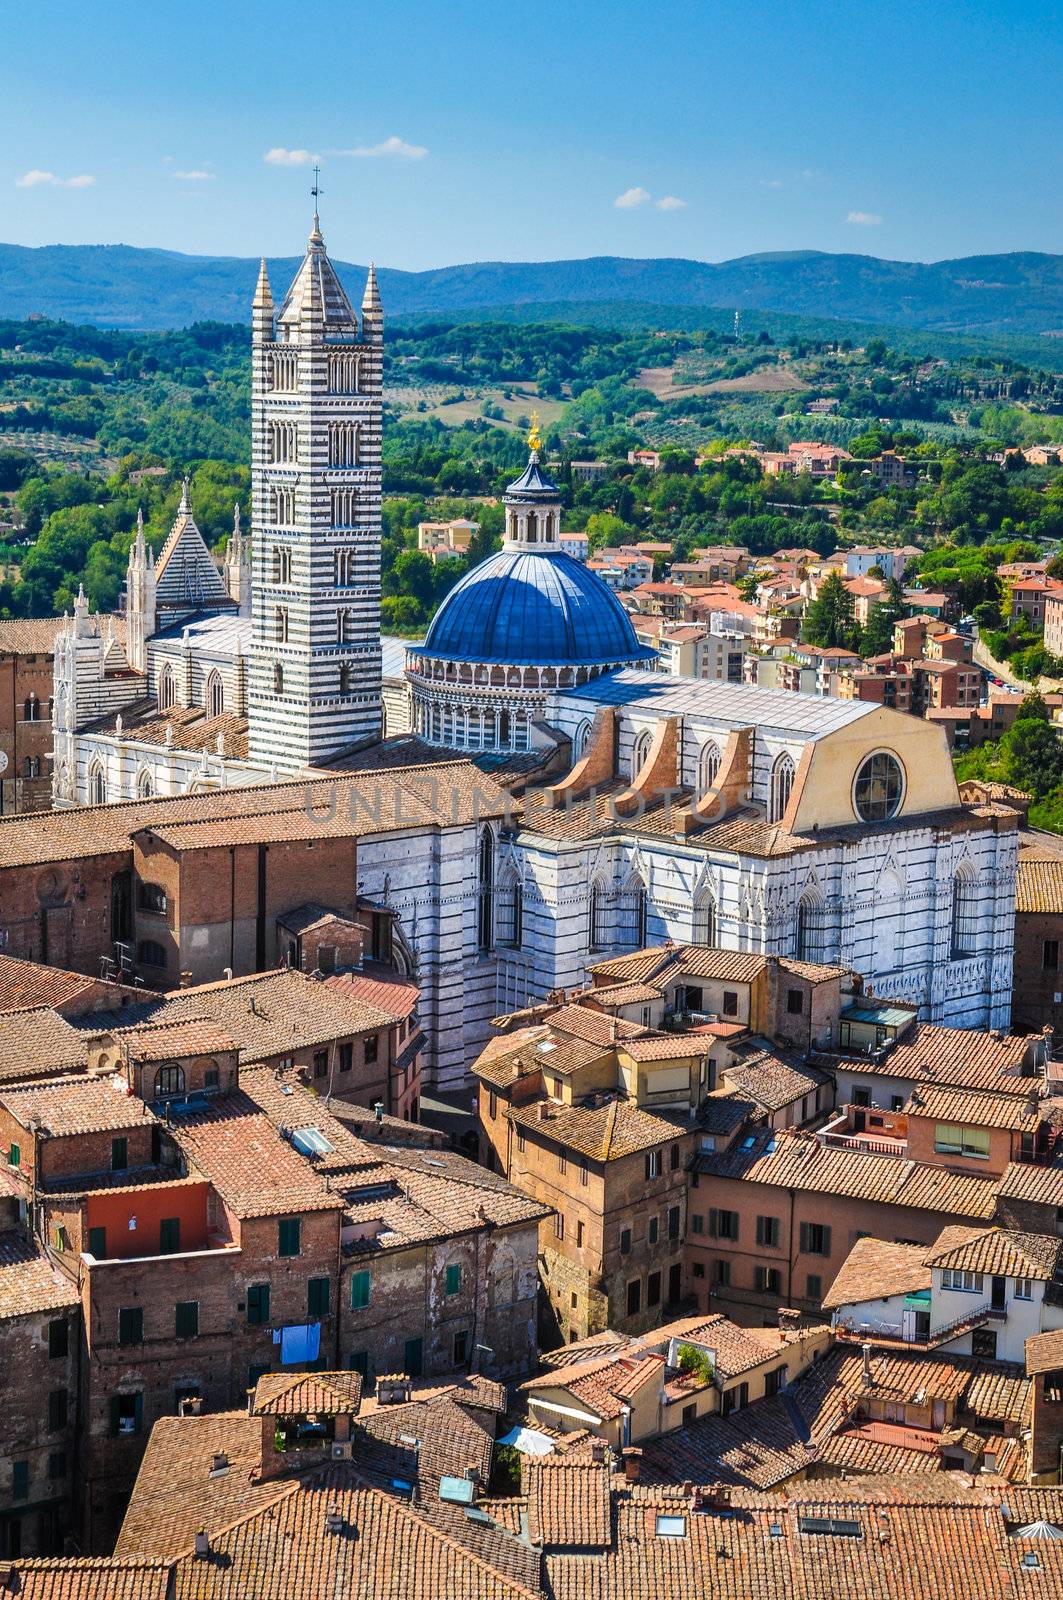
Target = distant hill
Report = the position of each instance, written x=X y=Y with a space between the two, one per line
x=123 y=287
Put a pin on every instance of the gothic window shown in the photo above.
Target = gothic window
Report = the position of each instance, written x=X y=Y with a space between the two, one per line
x=167 y=688
x=97 y=785
x=708 y=766
x=344 y=372
x=343 y=443
x=596 y=930
x=282 y=443
x=782 y=782
x=280 y=624
x=639 y=751
x=278 y=678
x=580 y=738
x=145 y=784
x=704 y=930
x=282 y=564
x=281 y=505
x=343 y=561
x=879 y=788
x=635 y=910
x=511 y=911
x=811 y=928
x=344 y=507
x=169 y=1079
x=485 y=909
x=284 y=371
x=215 y=695
x=33 y=709
x=964 y=941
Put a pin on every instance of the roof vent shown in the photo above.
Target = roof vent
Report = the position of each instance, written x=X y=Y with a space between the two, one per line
x=202 y=1545
x=334 y=1520
x=219 y=1462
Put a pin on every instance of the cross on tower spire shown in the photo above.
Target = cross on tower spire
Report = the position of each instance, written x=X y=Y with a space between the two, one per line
x=316 y=190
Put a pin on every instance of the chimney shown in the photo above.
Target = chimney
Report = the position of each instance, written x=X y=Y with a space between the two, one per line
x=250 y=1402
x=789 y=1319
x=334 y=1520
x=598 y=1450
x=867 y=1379
x=202 y=1546
x=687 y=1489
x=378 y=1110
x=632 y=1459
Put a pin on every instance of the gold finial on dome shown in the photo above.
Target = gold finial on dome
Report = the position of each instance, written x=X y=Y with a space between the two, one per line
x=535 y=439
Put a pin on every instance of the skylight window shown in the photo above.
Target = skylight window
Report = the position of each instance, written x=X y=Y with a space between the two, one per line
x=311 y=1142
x=671 y=1527
x=545 y=1046
x=838 y=1526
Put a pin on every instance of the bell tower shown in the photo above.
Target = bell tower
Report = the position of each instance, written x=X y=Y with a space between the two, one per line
x=316 y=404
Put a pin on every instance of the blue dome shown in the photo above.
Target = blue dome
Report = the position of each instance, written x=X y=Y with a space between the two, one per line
x=534 y=609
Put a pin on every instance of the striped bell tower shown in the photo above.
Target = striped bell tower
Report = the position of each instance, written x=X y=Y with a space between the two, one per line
x=314 y=684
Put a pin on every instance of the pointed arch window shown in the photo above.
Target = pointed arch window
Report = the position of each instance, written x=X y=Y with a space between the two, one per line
x=782 y=783
x=580 y=738
x=485 y=900
x=704 y=929
x=635 y=914
x=167 y=688
x=812 y=928
x=145 y=784
x=97 y=785
x=511 y=911
x=964 y=938
x=708 y=766
x=639 y=752
x=215 y=695
x=597 y=928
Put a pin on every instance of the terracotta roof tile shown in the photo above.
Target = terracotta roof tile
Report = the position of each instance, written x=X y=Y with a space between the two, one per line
x=256 y=1172
x=999 y=1252
x=568 y=1503
x=29 y=1283
x=960 y=1105
x=167 y=1038
x=297 y=1394
x=37 y=1043
x=65 y=1106
x=1039 y=885
x=877 y=1268
x=605 y=1132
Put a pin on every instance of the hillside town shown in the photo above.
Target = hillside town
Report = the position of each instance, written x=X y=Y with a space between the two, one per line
x=565 y=1106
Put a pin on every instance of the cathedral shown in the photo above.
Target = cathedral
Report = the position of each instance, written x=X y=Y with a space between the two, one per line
x=646 y=807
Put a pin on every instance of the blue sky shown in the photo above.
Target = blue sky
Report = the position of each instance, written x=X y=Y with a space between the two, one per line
x=463 y=131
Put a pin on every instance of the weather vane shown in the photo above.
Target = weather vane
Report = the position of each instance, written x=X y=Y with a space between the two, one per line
x=535 y=441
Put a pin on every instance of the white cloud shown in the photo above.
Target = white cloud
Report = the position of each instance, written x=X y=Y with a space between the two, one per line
x=771 y=183
x=280 y=157
x=864 y=219
x=196 y=175
x=387 y=147
x=670 y=202
x=632 y=198
x=36 y=179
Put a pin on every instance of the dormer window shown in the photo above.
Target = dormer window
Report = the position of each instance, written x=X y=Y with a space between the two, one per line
x=169 y=1081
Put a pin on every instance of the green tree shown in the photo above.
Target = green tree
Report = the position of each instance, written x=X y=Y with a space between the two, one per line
x=876 y=637
x=830 y=620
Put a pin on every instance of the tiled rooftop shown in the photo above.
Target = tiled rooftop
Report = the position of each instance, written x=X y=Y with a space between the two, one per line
x=28 y=1282
x=39 y=1043
x=62 y=1107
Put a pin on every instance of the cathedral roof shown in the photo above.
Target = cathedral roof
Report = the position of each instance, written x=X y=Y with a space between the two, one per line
x=185 y=575
x=532 y=608
x=317 y=293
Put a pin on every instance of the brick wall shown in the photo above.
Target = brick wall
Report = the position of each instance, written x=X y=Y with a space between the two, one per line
x=28 y=1436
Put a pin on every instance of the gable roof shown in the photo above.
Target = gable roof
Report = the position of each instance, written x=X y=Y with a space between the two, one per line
x=185 y=575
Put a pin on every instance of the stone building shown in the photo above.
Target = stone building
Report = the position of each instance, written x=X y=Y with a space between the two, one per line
x=26 y=680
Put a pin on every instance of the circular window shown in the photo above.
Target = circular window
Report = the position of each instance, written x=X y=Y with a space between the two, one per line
x=879 y=788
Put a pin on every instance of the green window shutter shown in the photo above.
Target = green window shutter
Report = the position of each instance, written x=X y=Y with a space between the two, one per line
x=452 y=1282
x=98 y=1243
x=169 y=1236
x=288 y=1231
x=58 y=1409
x=317 y=1297
x=358 y=1361
x=258 y=1304
x=413 y=1362
x=186 y=1319
x=14 y=1155
x=119 y=1155
x=804 y=1238
x=361 y=1283
x=131 y=1325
